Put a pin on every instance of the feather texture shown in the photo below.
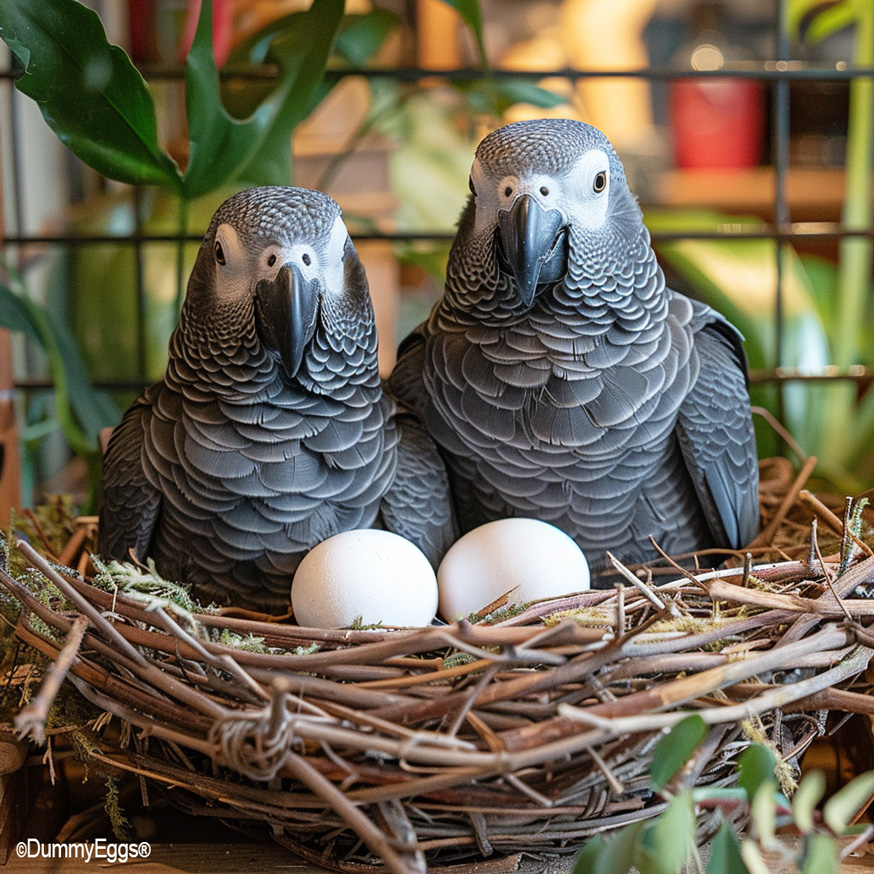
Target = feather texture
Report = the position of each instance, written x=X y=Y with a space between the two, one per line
x=232 y=467
x=610 y=405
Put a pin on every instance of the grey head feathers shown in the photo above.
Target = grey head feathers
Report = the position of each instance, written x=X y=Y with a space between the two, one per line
x=269 y=431
x=556 y=367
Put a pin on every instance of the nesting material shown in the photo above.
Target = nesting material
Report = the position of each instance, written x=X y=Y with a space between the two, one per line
x=444 y=745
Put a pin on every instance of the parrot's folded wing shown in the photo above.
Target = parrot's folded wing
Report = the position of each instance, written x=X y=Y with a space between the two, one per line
x=715 y=433
x=418 y=504
x=130 y=502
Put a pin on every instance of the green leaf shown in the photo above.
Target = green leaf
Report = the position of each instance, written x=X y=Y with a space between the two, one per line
x=831 y=20
x=839 y=811
x=725 y=855
x=223 y=148
x=620 y=849
x=752 y=858
x=796 y=13
x=587 y=860
x=820 y=856
x=302 y=55
x=491 y=96
x=89 y=92
x=757 y=765
x=81 y=411
x=92 y=409
x=763 y=812
x=524 y=91
x=674 y=749
x=219 y=145
x=362 y=36
x=807 y=796
x=16 y=315
x=471 y=14
x=666 y=842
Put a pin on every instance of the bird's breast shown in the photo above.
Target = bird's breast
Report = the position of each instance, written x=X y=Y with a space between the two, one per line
x=537 y=390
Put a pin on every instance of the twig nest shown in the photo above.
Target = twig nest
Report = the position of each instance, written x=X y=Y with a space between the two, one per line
x=526 y=558
x=368 y=576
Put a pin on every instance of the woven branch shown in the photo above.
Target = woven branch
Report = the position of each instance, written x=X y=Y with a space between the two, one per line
x=444 y=744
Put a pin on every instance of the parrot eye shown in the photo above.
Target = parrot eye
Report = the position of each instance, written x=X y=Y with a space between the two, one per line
x=219 y=253
x=271 y=260
x=600 y=182
x=306 y=259
x=470 y=186
x=508 y=191
x=544 y=190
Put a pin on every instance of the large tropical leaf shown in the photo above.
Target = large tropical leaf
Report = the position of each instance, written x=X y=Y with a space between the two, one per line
x=89 y=92
x=81 y=410
x=257 y=149
x=471 y=14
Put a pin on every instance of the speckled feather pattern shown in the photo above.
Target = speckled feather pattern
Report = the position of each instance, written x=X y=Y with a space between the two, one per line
x=601 y=408
x=228 y=470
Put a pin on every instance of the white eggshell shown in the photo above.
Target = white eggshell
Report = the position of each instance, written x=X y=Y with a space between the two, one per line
x=525 y=557
x=369 y=574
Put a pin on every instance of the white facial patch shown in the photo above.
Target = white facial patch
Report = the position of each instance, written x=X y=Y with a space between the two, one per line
x=227 y=247
x=321 y=259
x=587 y=190
x=492 y=195
x=333 y=270
x=231 y=260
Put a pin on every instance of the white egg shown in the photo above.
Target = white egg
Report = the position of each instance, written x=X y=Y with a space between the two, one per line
x=371 y=575
x=525 y=557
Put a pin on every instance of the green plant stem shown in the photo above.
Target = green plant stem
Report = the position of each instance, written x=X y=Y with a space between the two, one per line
x=184 y=208
x=855 y=252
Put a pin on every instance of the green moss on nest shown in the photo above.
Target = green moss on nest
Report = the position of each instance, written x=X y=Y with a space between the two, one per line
x=587 y=617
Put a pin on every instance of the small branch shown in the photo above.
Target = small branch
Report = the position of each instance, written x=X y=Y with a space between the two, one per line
x=787 y=438
x=766 y=535
x=677 y=567
x=74 y=544
x=84 y=605
x=32 y=720
x=649 y=594
x=43 y=539
x=299 y=768
x=620 y=610
x=846 y=536
x=828 y=579
x=612 y=779
x=830 y=519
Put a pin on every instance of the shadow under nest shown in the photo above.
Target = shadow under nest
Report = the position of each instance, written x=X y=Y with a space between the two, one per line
x=522 y=731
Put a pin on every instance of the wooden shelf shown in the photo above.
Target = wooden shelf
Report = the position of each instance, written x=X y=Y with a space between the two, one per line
x=812 y=193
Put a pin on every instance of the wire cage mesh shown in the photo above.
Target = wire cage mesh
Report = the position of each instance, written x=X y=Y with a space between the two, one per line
x=129 y=236
x=134 y=230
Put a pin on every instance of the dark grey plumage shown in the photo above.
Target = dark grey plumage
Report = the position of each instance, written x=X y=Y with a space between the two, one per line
x=559 y=375
x=270 y=430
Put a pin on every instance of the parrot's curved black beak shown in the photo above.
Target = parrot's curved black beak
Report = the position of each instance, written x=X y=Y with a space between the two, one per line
x=286 y=312
x=533 y=243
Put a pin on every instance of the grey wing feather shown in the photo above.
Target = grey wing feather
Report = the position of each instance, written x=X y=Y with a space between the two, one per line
x=130 y=502
x=406 y=381
x=418 y=504
x=715 y=433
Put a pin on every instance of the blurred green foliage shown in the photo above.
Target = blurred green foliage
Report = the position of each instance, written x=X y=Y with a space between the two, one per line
x=666 y=843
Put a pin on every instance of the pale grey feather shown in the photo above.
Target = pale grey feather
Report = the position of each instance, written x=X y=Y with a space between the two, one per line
x=269 y=431
x=599 y=399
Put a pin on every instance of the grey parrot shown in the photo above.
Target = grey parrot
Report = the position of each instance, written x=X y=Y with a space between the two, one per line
x=270 y=430
x=559 y=375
